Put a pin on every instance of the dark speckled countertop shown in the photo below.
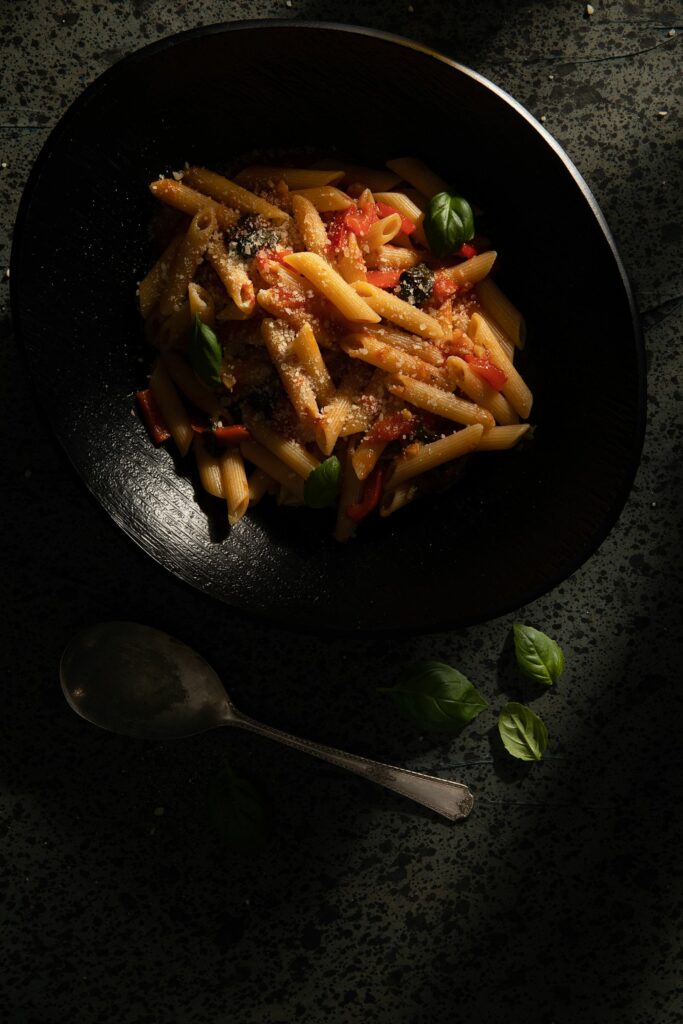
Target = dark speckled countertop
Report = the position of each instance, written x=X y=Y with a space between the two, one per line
x=560 y=899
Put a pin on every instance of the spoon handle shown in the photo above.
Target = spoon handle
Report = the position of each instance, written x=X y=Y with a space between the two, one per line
x=451 y=799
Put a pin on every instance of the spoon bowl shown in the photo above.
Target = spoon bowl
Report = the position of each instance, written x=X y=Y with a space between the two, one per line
x=137 y=681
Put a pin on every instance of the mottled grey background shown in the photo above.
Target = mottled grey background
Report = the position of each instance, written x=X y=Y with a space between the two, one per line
x=560 y=899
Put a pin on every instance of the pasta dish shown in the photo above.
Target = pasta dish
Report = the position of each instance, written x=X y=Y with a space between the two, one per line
x=331 y=336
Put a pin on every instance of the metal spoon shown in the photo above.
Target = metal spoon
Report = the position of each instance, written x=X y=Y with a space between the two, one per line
x=138 y=681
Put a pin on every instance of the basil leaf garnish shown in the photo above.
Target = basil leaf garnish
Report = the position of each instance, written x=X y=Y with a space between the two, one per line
x=236 y=811
x=538 y=657
x=436 y=696
x=523 y=733
x=448 y=223
x=205 y=353
x=322 y=484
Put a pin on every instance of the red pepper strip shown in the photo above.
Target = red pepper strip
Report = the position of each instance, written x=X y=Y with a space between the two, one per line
x=384 y=210
x=391 y=428
x=151 y=414
x=384 y=278
x=493 y=375
x=337 y=231
x=372 y=492
x=444 y=287
x=467 y=250
x=361 y=220
x=233 y=434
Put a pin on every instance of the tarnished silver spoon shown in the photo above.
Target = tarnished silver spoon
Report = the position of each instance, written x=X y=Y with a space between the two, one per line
x=138 y=681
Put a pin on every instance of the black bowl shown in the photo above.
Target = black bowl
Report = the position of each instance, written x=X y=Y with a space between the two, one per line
x=518 y=522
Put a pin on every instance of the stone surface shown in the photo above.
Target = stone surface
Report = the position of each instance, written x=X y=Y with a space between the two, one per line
x=560 y=899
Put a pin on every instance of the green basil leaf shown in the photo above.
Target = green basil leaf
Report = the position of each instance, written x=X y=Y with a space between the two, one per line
x=538 y=657
x=523 y=733
x=448 y=223
x=436 y=696
x=236 y=811
x=322 y=484
x=205 y=353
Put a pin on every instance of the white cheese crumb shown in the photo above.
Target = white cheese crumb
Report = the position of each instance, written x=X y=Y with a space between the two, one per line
x=551 y=78
x=590 y=10
x=662 y=113
x=3 y=164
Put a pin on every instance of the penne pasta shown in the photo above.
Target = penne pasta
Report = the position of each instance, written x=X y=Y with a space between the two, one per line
x=390 y=307
x=293 y=177
x=286 y=449
x=434 y=454
x=187 y=382
x=383 y=231
x=235 y=485
x=152 y=285
x=188 y=256
x=366 y=456
x=171 y=408
x=259 y=485
x=209 y=468
x=467 y=381
x=497 y=305
x=279 y=341
x=393 y=257
x=334 y=414
x=325 y=198
x=419 y=175
x=515 y=390
x=188 y=200
x=310 y=224
x=439 y=402
x=472 y=270
x=500 y=438
x=232 y=271
x=231 y=194
x=264 y=459
x=350 y=262
x=407 y=208
x=374 y=178
x=307 y=351
x=333 y=286
x=379 y=353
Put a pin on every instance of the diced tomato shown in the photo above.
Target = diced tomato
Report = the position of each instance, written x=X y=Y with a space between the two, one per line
x=151 y=414
x=384 y=210
x=337 y=231
x=391 y=428
x=384 y=278
x=264 y=256
x=360 y=220
x=372 y=492
x=492 y=374
x=444 y=287
x=467 y=251
x=233 y=434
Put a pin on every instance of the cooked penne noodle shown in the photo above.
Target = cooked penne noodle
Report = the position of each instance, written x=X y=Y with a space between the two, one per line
x=307 y=351
x=232 y=271
x=419 y=175
x=497 y=305
x=286 y=449
x=259 y=485
x=152 y=285
x=188 y=200
x=383 y=231
x=270 y=464
x=333 y=286
x=375 y=178
x=499 y=438
x=172 y=330
x=387 y=357
x=279 y=341
x=310 y=224
x=235 y=485
x=467 y=381
x=231 y=194
x=209 y=468
x=390 y=307
x=200 y=303
x=188 y=256
x=439 y=402
x=293 y=177
x=407 y=208
x=171 y=408
x=286 y=498
x=412 y=343
x=350 y=263
x=325 y=198
x=507 y=346
x=335 y=413
x=472 y=270
x=366 y=456
x=434 y=454
x=393 y=257
x=515 y=390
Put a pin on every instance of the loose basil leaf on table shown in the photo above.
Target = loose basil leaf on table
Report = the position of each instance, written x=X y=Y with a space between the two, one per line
x=236 y=810
x=436 y=696
x=321 y=487
x=205 y=353
x=448 y=223
x=538 y=657
x=523 y=733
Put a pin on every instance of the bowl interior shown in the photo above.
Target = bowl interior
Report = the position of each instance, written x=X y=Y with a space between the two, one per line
x=518 y=522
